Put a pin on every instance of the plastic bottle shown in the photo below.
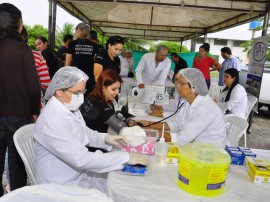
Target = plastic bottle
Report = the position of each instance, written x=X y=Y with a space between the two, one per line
x=161 y=150
x=166 y=97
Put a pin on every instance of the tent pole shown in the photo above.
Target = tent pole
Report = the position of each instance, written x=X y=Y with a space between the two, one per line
x=54 y=23
x=50 y=22
x=181 y=45
x=266 y=20
x=205 y=36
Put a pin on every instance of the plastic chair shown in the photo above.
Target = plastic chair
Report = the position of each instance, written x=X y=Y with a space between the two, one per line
x=215 y=90
x=249 y=116
x=24 y=142
x=251 y=103
x=237 y=126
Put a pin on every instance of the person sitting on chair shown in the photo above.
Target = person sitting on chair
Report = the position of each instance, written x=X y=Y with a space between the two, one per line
x=198 y=118
x=234 y=94
x=98 y=109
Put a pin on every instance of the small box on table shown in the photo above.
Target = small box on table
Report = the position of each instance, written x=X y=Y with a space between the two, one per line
x=173 y=154
x=238 y=154
x=258 y=169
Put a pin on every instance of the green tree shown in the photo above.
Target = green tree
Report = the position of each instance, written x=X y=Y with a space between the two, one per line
x=68 y=28
x=34 y=32
x=172 y=46
x=137 y=44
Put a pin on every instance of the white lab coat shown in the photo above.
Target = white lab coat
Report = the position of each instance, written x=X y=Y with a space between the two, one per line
x=60 y=154
x=124 y=66
x=201 y=121
x=152 y=75
x=238 y=102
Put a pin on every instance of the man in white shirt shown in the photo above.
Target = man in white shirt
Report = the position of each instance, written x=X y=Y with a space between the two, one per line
x=124 y=66
x=155 y=67
x=229 y=62
x=130 y=60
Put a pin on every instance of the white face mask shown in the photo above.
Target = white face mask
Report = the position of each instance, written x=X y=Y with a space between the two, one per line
x=76 y=102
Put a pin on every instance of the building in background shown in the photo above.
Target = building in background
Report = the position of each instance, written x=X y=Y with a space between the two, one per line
x=230 y=38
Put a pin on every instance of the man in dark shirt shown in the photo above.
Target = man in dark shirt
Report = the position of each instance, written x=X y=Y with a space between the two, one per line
x=179 y=62
x=93 y=37
x=62 y=50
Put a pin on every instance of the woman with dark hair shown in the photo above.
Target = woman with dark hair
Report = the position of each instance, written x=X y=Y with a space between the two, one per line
x=204 y=63
x=234 y=94
x=98 y=110
x=81 y=53
x=49 y=55
x=109 y=59
x=20 y=91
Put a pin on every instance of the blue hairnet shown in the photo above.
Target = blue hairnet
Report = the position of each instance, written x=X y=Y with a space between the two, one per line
x=195 y=79
x=65 y=77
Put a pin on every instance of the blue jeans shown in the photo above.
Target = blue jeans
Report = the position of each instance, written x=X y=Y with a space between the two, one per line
x=17 y=173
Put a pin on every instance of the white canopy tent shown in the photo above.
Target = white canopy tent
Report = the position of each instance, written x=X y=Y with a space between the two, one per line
x=174 y=20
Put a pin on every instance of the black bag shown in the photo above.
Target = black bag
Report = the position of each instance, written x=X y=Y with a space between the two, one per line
x=130 y=74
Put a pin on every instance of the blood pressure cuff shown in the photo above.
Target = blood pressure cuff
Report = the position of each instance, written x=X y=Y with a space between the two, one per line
x=116 y=122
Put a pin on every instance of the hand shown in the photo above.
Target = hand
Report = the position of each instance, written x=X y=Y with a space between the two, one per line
x=156 y=113
x=34 y=118
x=154 y=107
x=131 y=123
x=141 y=85
x=144 y=123
x=135 y=158
x=115 y=140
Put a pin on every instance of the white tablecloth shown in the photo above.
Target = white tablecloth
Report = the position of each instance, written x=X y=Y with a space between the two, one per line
x=160 y=186
x=55 y=193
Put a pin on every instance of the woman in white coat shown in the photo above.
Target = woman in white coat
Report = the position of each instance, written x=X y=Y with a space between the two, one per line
x=234 y=94
x=198 y=118
x=61 y=136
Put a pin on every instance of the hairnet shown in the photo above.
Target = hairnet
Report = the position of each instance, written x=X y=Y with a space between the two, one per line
x=65 y=77
x=195 y=79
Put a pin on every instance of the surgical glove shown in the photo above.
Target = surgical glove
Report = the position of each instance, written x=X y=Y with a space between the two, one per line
x=115 y=140
x=135 y=158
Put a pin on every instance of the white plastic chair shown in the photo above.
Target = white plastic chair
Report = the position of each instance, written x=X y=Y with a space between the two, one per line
x=215 y=90
x=24 y=142
x=251 y=103
x=237 y=126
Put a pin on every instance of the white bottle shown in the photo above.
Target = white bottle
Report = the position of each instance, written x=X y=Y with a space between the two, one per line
x=166 y=97
x=161 y=150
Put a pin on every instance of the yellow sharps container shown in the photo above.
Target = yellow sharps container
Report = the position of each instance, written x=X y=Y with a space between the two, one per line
x=202 y=169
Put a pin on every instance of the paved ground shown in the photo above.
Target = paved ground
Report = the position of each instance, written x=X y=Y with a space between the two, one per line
x=259 y=136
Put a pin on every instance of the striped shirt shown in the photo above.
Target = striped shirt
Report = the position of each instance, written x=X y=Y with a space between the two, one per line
x=42 y=70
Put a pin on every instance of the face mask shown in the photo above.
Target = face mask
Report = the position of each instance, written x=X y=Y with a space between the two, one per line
x=75 y=103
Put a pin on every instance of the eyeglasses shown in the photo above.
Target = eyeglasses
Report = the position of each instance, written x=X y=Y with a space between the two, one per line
x=79 y=92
